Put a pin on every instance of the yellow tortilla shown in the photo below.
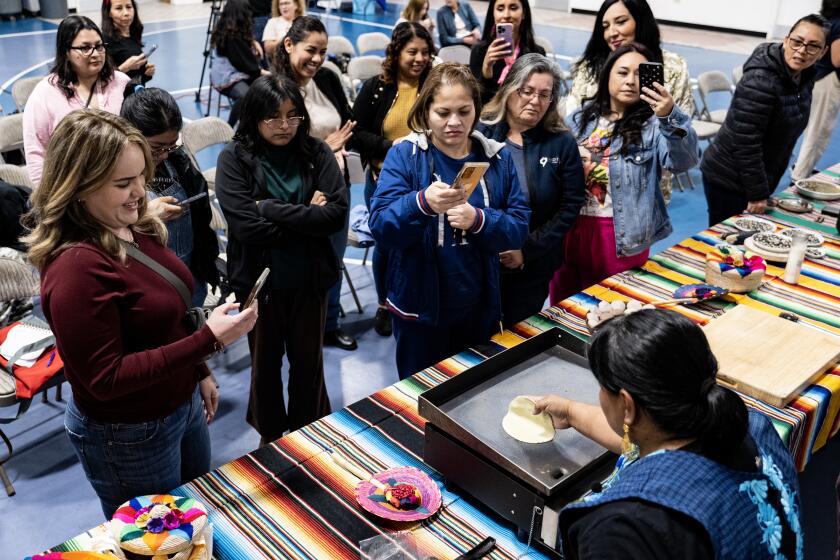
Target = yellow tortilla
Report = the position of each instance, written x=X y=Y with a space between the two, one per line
x=521 y=424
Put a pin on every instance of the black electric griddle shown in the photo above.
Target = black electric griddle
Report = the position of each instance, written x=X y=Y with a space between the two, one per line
x=465 y=442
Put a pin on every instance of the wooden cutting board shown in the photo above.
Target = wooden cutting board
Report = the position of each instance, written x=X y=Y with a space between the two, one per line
x=768 y=357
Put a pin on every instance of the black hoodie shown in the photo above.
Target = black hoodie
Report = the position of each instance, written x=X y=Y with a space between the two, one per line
x=769 y=111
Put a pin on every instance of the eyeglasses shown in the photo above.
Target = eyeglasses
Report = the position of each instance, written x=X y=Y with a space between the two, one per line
x=165 y=149
x=87 y=50
x=527 y=94
x=799 y=44
x=281 y=123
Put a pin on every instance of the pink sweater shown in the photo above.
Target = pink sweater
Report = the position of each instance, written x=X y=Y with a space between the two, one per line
x=48 y=105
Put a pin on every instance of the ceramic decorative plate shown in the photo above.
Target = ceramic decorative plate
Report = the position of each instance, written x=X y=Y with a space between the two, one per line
x=772 y=242
x=772 y=256
x=814 y=238
x=815 y=253
x=795 y=205
x=699 y=291
x=821 y=190
x=751 y=223
x=373 y=499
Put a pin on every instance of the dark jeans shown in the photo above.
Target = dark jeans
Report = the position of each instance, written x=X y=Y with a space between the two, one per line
x=235 y=93
x=258 y=26
x=722 y=203
x=379 y=259
x=122 y=461
x=338 y=241
x=523 y=293
x=291 y=322
x=420 y=346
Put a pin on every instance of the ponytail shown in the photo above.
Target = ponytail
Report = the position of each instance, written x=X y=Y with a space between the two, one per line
x=664 y=361
x=725 y=422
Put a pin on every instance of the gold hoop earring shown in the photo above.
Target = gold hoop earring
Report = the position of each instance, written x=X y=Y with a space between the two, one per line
x=628 y=448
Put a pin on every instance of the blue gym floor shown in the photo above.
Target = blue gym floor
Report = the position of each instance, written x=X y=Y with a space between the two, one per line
x=54 y=501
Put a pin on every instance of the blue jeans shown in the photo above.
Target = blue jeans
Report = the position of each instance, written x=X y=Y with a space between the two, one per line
x=122 y=461
x=379 y=260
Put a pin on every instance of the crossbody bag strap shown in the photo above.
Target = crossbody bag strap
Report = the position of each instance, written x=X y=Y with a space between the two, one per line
x=164 y=272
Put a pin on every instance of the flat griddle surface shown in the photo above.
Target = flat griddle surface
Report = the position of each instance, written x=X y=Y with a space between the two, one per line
x=480 y=410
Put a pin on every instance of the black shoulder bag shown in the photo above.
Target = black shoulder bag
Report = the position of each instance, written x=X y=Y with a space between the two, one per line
x=196 y=316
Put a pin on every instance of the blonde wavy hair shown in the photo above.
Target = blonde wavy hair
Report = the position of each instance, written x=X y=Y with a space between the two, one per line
x=81 y=158
x=414 y=9
x=300 y=8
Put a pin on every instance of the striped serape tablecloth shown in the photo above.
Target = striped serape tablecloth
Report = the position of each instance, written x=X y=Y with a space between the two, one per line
x=290 y=500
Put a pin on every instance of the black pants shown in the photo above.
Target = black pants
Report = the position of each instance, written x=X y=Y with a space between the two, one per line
x=722 y=203
x=291 y=322
x=523 y=293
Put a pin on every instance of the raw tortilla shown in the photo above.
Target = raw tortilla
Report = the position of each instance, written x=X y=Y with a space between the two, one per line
x=521 y=424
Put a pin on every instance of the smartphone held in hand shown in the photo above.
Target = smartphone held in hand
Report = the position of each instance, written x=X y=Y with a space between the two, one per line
x=505 y=31
x=255 y=291
x=469 y=176
x=190 y=200
x=650 y=72
x=149 y=52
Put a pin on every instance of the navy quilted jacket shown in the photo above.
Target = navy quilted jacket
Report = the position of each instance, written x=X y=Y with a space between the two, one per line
x=768 y=113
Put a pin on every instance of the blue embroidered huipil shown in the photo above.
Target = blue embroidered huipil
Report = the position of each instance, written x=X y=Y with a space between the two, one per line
x=751 y=515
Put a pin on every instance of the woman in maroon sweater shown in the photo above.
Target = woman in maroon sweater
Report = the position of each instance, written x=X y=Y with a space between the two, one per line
x=142 y=395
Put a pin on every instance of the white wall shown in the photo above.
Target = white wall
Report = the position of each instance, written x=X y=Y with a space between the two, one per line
x=772 y=17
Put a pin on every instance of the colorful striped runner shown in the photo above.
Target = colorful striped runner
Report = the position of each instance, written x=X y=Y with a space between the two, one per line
x=290 y=500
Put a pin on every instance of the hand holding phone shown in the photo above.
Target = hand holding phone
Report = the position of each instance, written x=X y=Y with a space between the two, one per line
x=659 y=99
x=505 y=31
x=255 y=291
x=650 y=72
x=149 y=52
x=190 y=200
x=469 y=177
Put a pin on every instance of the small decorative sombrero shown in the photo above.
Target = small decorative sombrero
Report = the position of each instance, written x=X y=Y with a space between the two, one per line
x=158 y=526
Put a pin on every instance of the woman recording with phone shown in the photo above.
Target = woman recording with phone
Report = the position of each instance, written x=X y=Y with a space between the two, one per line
x=123 y=32
x=508 y=34
x=616 y=23
x=155 y=113
x=443 y=278
x=283 y=195
x=626 y=136
x=142 y=394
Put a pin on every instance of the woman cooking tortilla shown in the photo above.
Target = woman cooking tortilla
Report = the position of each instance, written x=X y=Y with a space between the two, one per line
x=698 y=477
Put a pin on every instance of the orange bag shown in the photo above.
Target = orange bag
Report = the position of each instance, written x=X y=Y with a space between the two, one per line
x=29 y=380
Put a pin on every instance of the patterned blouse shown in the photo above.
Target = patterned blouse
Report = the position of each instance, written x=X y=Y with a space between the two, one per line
x=585 y=84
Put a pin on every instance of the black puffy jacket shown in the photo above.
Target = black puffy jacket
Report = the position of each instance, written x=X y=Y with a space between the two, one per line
x=769 y=111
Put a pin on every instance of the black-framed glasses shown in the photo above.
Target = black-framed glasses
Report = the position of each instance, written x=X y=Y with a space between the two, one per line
x=809 y=48
x=160 y=150
x=280 y=122
x=87 y=50
x=528 y=94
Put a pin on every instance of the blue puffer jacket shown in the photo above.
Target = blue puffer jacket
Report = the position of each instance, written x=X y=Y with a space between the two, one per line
x=638 y=205
x=398 y=223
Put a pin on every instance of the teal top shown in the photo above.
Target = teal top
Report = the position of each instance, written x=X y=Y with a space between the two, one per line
x=282 y=174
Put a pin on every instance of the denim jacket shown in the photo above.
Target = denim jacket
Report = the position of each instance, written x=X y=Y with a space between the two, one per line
x=446 y=23
x=639 y=212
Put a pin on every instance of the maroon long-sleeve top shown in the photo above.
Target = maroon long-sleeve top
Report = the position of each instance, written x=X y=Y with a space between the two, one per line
x=120 y=329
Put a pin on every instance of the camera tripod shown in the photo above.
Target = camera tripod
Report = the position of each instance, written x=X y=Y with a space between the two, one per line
x=206 y=67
